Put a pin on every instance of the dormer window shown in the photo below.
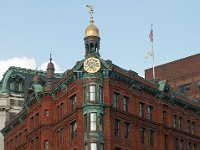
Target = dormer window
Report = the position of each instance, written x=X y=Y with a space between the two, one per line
x=16 y=83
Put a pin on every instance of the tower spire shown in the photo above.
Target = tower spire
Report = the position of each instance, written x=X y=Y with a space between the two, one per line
x=50 y=76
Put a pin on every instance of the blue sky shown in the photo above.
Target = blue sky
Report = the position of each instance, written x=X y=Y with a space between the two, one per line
x=32 y=29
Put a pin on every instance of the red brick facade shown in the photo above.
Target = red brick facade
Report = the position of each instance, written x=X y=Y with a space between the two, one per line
x=131 y=125
x=181 y=72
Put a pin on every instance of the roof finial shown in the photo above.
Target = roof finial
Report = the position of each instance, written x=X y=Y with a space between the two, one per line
x=50 y=58
x=91 y=12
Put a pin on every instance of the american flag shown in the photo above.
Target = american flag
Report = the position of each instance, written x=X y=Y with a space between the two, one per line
x=151 y=35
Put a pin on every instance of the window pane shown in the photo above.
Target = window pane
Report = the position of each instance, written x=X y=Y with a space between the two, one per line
x=101 y=122
x=92 y=88
x=93 y=146
x=100 y=93
x=127 y=126
x=46 y=144
x=115 y=100
x=92 y=92
x=150 y=112
x=101 y=146
x=126 y=104
x=117 y=127
x=142 y=135
x=141 y=109
x=86 y=147
x=184 y=88
x=175 y=117
x=93 y=118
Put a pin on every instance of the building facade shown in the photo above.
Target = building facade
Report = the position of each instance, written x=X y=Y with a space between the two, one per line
x=183 y=75
x=97 y=105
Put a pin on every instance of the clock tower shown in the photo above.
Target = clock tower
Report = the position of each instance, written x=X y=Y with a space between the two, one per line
x=93 y=86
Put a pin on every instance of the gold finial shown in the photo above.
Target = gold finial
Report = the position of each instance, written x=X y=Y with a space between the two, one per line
x=91 y=12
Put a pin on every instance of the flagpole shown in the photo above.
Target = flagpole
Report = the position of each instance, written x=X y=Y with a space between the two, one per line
x=154 y=77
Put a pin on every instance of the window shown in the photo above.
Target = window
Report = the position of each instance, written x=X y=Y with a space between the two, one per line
x=166 y=142
x=32 y=123
x=101 y=146
x=73 y=126
x=95 y=93
x=36 y=120
x=20 y=103
x=174 y=122
x=141 y=109
x=117 y=127
x=193 y=127
x=116 y=97
x=16 y=142
x=198 y=84
x=58 y=138
x=176 y=144
x=93 y=146
x=180 y=123
x=127 y=128
x=58 y=111
x=189 y=146
x=194 y=146
x=62 y=109
x=92 y=91
x=20 y=137
x=11 y=144
x=101 y=122
x=16 y=86
x=62 y=137
x=126 y=99
x=142 y=135
x=73 y=102
x=188 y=125
x=182 y=89
x=12 y=102
x=31 y=145
x=85 y=122
x=181 y=145
x=101 y=94
x=151 y=138
x=36 y=143
x=46 y=145
x=164 y=116
x=93 y=121
x=46 y=113
x=150 y=112
x=86 y=147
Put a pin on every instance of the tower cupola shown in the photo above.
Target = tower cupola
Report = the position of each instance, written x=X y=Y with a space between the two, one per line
x=92 y=37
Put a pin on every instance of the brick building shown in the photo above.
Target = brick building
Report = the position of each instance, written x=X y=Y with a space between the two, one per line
x=97 y=105
x=183 y=75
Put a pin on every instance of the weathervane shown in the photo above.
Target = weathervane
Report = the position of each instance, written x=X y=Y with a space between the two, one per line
x=91 y=12
x=50 y=58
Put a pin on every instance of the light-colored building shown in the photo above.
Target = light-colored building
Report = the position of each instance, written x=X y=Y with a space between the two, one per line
x=14 y=87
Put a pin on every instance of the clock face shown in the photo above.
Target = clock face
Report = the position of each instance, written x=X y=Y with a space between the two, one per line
x=92 y=65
